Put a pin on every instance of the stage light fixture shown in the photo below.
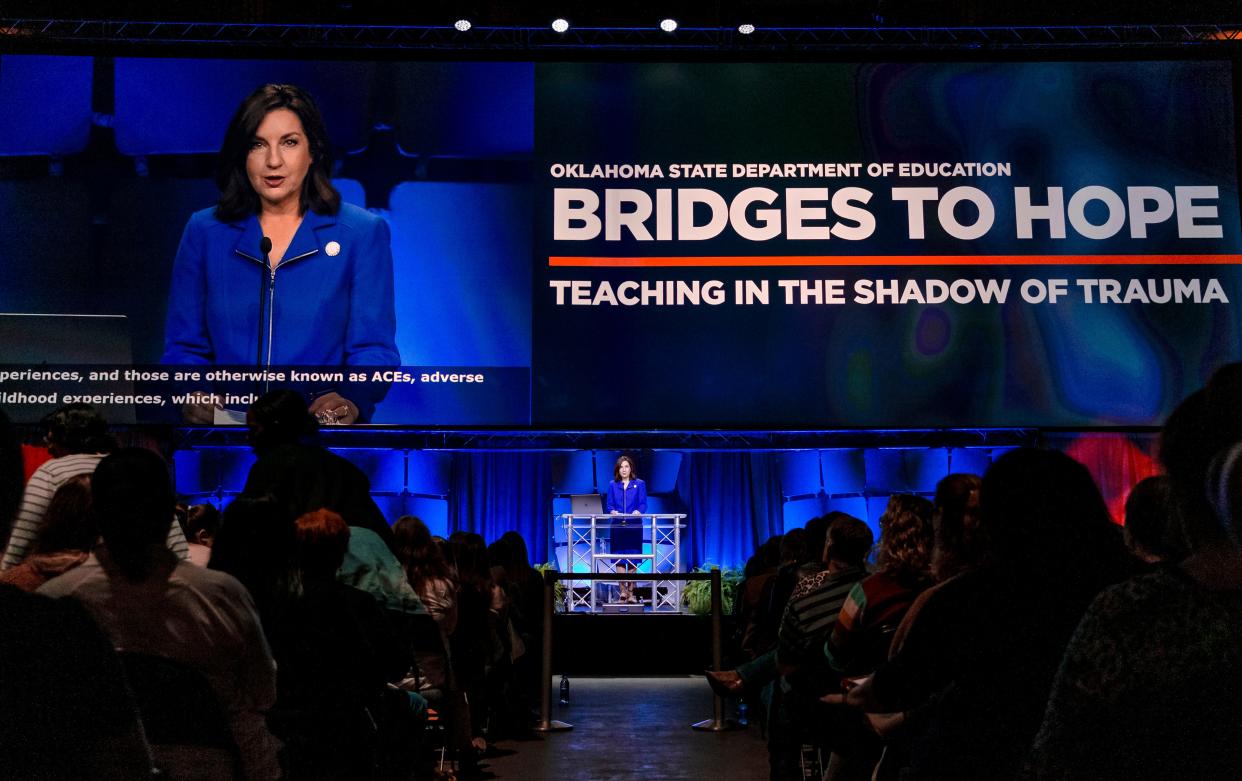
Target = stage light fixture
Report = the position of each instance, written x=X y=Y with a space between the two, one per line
x=560 y=25
x=745 y=29
x=668 y=25
x=462 y=25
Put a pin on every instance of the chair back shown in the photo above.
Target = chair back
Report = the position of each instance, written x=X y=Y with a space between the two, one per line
x=422 y=633
x=184 y=722
x=176 y=701
x=327 y=744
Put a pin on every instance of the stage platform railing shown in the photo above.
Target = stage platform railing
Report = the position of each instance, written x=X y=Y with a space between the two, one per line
x=586 y=530
x=716 y=723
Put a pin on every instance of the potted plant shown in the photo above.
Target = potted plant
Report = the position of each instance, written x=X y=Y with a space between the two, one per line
x=697 y=594
x=558 y=594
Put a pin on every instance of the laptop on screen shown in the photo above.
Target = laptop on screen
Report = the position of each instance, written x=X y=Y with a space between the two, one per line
x=37 y=340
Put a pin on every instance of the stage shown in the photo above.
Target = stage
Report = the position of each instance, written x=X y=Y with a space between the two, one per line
x=632 y=644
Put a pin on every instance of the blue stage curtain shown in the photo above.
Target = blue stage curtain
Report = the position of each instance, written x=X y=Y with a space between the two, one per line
x=493 y=493
x=734 y=504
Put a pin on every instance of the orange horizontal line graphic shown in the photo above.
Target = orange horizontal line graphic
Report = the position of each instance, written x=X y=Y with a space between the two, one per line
x=896 y=260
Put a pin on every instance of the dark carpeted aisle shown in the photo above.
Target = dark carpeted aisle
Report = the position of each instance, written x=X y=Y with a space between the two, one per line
x=635 y=729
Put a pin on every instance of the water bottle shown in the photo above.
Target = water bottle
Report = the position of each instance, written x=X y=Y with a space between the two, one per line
x=564 y=690
x=741 y=714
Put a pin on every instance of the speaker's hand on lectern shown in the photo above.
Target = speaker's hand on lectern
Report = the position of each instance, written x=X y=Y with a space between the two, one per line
x=333 y=409
x=200 y=409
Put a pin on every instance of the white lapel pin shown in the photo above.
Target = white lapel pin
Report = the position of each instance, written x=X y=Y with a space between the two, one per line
x=332 y=248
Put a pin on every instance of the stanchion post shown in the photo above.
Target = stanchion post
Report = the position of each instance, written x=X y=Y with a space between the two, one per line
x=546 y=724
x=717 y=723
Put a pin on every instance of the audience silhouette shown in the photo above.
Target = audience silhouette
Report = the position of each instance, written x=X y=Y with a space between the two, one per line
x=1006 y=629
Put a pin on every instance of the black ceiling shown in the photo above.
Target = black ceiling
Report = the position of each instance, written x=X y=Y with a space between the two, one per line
x=645 y=13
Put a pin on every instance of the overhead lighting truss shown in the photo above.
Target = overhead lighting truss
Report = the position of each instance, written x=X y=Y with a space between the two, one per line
x=37 y=32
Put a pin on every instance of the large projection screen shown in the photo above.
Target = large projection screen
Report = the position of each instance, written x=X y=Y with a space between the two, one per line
x=943 y=244
x=634 y=245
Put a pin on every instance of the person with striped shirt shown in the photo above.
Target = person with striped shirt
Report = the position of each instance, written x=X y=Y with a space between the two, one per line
x=77 y=437
x=807 y=621
x=860 y=638
x=817 y=600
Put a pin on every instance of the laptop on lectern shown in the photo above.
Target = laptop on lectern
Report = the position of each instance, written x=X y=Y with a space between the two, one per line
x=586 y=504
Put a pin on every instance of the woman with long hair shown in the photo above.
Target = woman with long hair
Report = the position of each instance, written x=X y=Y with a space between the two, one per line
x=429 y=574
x=280 y=271
x=476 y=646
x=69 y=534
x=955 y=522
x=980 y=664
x=1149 y=684
x=868 y=620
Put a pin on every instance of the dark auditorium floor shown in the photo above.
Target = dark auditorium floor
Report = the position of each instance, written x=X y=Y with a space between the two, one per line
x=635 y=729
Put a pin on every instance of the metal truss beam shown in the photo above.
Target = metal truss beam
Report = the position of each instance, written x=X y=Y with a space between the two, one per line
x=516 y=441
x=312 y=37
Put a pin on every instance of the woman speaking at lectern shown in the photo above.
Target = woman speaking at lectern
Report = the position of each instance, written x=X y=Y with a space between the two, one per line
x=627 y=495
x=281 y=273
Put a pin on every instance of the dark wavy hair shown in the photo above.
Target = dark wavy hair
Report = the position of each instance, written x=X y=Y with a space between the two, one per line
x=471 y=562
x=237 y=198
x=418 y=553
x=955 y=521
x=69 y=523
x=77 y=428
x=906 y=537
x=616 y=468
x=516 y=559
x=793 y=547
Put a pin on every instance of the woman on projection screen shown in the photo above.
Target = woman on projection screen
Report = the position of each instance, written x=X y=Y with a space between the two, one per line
x=280 y=273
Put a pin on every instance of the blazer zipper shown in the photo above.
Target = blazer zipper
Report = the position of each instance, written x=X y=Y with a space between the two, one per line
x=271 y=295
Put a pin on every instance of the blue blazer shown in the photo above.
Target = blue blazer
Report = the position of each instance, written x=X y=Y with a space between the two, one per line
x=330 y=302
x=632 y=499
